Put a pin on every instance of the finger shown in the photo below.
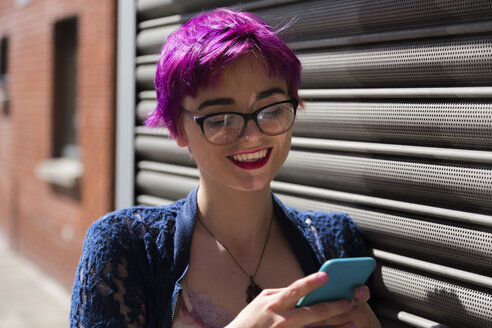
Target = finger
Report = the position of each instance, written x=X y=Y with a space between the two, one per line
x=361 y=295
x=299 y=288
x=271 y=291
x=328 y=313
x=360 y=316
x=332 y=325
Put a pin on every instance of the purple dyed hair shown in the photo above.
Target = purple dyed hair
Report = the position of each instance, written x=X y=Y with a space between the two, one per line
x=196 y=54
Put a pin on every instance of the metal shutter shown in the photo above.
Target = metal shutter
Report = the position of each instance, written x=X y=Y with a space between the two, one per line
x=396 y=131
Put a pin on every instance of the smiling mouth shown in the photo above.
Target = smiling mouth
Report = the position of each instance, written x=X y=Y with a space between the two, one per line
x=251 y=161
x=250 y=157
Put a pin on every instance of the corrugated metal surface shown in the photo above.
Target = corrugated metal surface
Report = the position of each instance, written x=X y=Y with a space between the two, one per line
x=396 y=131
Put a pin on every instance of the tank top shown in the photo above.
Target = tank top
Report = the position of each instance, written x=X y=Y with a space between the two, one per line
x=196 y=310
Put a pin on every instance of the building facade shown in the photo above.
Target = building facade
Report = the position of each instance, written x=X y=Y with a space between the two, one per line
x=56 y=126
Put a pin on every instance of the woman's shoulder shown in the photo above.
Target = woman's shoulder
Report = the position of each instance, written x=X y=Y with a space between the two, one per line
x=128 y=219
x=134 y=225
x=320 y=219
x=336 y=232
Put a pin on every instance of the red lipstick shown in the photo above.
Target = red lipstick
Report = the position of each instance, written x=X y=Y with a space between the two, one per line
x=252 y=165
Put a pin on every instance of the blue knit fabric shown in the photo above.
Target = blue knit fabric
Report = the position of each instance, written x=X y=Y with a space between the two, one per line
x=126 y=273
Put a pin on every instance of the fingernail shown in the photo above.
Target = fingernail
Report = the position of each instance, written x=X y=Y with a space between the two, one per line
x=322 y=277
x=352 y=326
x=361 y=292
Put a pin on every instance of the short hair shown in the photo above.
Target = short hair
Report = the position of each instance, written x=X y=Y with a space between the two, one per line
x=196 y=54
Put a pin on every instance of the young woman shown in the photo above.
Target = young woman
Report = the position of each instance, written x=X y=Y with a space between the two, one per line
x=230 y=254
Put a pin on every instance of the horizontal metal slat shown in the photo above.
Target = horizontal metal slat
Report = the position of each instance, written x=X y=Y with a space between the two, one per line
x=402 y=319
x=148 y=200
x=162 y=21
x=461 y=187
x=162 y=150
x=368 y=93
x=148 y=9
x=443 y=123
x=470 y=156
x=453 y=61
x=436 y=269
x=376 y=202
x=445 y=301
x=428 y=92
x=144 y=75
x=147 y=59
x=164 y=185
x=459 y=245
x=149 y=41
x=144 y=108
x=331 y=18
x=417 y=33
x=178 y=170
x=162 y=132
x=392 y=324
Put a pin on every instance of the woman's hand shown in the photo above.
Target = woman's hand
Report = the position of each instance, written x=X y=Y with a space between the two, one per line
x=277 y=308
x=361 y=315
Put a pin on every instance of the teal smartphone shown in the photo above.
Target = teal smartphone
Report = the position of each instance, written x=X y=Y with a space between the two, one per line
x=344 y=275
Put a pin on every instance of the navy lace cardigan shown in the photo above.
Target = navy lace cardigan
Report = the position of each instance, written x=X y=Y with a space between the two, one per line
x=132 y=258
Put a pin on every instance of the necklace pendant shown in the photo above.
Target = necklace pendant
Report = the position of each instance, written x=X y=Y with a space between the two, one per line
x=253 y=290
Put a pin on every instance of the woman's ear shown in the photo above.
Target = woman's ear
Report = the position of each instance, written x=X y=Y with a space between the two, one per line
x=181 y=139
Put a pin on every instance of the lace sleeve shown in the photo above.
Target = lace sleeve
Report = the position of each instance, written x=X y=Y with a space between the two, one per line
x=110 y=283
x=339 y=235
x=353 y=241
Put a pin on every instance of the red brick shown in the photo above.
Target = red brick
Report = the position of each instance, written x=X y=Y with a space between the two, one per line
x=43 y=224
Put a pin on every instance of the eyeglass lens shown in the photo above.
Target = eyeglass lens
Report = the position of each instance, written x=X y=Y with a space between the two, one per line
x=272 y=120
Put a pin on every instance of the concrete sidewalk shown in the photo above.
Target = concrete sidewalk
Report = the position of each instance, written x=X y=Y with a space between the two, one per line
x=29 y=298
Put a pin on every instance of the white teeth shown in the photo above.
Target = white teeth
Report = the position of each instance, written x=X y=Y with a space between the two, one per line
x=245 y=157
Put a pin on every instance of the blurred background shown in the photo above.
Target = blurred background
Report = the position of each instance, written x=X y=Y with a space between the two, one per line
x=57 y=123
x=396 y=131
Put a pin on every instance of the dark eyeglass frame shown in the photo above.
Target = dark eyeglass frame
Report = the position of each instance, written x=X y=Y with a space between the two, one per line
x=246 y=117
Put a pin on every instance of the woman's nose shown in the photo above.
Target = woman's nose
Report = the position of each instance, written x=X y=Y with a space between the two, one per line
x=252 y=130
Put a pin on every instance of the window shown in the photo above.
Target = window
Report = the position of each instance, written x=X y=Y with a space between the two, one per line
x=64 y=169
x=4 y=76
x=65 y=91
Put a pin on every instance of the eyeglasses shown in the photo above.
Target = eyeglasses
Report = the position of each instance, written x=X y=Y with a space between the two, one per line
x=226 y=127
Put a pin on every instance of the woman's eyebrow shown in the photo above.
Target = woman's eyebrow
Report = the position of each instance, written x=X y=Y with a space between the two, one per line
x=218 y=101
x=230 y=101
x=269 y=92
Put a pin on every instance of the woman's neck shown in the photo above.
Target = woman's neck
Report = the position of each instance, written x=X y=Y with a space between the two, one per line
x=240 y=219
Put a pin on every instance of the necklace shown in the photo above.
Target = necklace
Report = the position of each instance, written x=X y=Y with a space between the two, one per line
x=253 y=288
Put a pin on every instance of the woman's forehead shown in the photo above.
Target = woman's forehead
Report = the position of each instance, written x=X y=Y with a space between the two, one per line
x=249 y=71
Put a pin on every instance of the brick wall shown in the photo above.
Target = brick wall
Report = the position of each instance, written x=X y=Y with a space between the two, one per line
x=46 y=225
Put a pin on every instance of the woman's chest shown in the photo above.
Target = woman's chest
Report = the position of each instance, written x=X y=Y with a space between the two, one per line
x=224 y=279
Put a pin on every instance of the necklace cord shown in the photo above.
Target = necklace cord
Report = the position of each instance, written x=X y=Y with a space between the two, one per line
x=251 y=277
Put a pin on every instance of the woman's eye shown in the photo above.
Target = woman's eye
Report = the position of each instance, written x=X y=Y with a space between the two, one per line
x=218 y=121
x=272 y=112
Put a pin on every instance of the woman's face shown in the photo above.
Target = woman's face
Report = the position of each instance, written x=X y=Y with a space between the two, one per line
x=244 y=87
